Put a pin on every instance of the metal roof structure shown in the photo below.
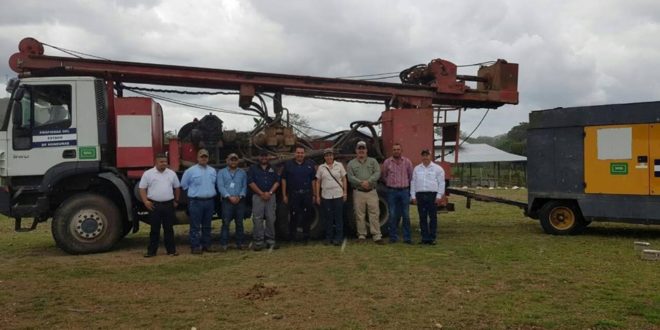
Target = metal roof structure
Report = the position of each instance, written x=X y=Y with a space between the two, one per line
x=480 y=153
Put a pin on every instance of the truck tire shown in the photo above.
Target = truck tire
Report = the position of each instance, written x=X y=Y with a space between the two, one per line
x=351 y=219
x=560 y=217
x=282 y=220
x=87 y=223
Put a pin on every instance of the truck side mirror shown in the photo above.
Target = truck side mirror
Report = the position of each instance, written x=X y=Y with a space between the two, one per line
x=17 y=114
x=20 y=92
x=11 y=85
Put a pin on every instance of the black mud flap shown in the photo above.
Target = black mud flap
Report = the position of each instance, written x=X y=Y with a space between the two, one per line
x=18 y=228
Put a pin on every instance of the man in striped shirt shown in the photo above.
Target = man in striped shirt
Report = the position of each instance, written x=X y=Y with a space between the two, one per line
x=396 y=172
x=426 y=190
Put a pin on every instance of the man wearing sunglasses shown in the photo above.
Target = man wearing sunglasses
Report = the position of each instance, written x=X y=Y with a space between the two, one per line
x=199 y=183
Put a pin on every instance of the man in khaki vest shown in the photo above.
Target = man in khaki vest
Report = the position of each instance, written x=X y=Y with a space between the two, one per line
x=362 y=173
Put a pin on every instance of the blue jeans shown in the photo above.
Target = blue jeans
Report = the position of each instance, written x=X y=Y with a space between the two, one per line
x=428 y=215
x=398 y=203
x=201 y=212
x=333 y=211
x=231 y=212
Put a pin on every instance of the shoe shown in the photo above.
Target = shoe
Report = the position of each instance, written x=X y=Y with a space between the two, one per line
x=149 y=255
x=361 y=240
x=432 y=243
x=272 y=246
x=173 y=254
x=380 y=242
x=209 y=249
x=422 y=243
x=257 y=247
x=336 y=243
x=392 y=241
x=408 y=242
x=327 y=242
x=224 y=248
x=196 y=251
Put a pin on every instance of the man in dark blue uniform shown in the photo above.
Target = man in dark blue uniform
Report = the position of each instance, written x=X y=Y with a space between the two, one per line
x=297 y=192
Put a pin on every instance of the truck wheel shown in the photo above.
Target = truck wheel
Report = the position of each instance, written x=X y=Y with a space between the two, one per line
x=316 y=228
x=87 y=223
x=561 y=218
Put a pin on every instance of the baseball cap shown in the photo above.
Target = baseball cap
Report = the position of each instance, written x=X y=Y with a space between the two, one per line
x=328 y=151
x=361 y=144
x=203 y=152
x=232 y=155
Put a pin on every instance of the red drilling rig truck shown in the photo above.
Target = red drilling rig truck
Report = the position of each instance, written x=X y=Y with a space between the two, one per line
x=72 y=147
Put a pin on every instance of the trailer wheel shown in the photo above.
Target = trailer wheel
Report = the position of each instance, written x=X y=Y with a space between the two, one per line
x=282 y=220
x=561 y=218
x=87 y=223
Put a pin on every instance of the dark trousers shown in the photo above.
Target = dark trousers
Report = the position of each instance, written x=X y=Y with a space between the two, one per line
x=301 y=209
x=333 y=211
x=398 y=202
x=201 y=213
x=428 y=215
x=232 y=212
x=162 y=215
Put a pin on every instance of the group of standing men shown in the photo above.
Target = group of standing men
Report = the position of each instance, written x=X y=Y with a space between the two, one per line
x=303 y=185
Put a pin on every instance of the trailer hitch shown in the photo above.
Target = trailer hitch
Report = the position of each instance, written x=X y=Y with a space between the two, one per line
x=484 y=198
x=18 y=228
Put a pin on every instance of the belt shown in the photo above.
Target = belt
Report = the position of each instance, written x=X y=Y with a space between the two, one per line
x=201 y=198
x=398 y=188
x=363 y=190
x=165 y=202
x=301 y=191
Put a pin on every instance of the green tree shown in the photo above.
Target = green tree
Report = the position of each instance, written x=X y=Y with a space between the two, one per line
x=514 y=141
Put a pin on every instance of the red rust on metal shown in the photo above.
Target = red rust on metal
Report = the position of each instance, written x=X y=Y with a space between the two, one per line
x=31 y=46
x=446 y=90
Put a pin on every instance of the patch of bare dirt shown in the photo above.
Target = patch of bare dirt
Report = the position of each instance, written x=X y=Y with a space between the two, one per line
x=260 y=291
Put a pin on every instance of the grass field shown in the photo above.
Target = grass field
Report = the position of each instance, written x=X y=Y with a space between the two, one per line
x=492 y=268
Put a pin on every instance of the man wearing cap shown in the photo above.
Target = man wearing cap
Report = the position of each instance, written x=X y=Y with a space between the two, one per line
x=363 y=172
x=263 y=180
x=199 y=181
x=232 y=185
x=297 y=192
x=396 y=172
x=426 y=190
x=331 y=183
x=159 y=192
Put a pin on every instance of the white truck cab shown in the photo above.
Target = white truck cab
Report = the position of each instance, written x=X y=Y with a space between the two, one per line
x=55 y=162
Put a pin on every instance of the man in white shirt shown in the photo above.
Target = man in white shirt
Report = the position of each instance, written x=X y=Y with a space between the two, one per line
x=159 y=191
x=426 y=190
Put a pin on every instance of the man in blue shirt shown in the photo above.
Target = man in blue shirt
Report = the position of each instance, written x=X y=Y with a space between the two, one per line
x=263 y=181
x=297 y=192
x=232 y=185
x=199 y=181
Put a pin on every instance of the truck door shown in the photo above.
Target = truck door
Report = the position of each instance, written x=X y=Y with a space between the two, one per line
x=654 y=158
x=43 y=129
x=616 y=159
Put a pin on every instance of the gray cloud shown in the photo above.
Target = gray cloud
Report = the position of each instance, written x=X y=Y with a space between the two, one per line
x=570 y=52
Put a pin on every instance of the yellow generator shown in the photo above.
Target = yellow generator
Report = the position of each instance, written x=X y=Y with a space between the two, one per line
x=596 y=163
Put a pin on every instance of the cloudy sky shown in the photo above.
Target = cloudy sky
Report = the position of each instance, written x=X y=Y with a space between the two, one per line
x=570 y=52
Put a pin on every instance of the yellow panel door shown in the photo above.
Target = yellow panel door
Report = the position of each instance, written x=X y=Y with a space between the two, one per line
x=654 y=158
x=616 y=159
